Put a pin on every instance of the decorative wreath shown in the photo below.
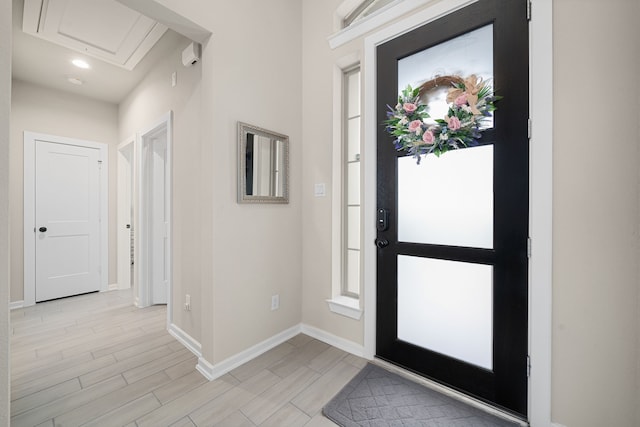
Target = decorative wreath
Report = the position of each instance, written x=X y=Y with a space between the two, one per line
x=470 y=101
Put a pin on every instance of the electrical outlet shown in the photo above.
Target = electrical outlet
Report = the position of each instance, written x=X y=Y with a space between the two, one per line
x=187 y=302
x=275 y=302
x=174 y=79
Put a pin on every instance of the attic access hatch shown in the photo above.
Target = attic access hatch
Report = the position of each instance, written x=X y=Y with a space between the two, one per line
x=104 y=29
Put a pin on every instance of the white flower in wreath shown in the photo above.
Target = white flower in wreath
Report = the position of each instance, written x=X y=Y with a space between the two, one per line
x=444 y=136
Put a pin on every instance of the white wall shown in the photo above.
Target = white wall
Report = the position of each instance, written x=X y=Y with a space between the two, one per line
x=152 y=98
x=318 y=68
x=595 y=218
x=37 y=109
x=251 y=72
x=5 y=108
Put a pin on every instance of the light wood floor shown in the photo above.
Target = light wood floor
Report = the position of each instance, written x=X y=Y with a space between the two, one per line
x=97 y=360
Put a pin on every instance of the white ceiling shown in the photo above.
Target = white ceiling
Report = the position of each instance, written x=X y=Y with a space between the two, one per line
x=102 y=32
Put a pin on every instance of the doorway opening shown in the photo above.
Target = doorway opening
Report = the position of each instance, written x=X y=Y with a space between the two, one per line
x=125 y=234
x=539 y=405
x=452 y=298
x=153 y=225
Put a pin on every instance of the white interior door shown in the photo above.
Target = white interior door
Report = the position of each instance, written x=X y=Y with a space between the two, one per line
x=153 y=225
x=158 y=220
x=67 y=220
x=125 y=214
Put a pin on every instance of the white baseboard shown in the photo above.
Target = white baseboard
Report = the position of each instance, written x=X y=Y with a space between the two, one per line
x=186 y=340
x=206 y=369
x=14 y=305
x=557 y=425
x=211 y=372
x=341 y=343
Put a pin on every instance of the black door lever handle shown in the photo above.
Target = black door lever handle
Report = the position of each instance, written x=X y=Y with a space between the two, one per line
x=382 y=243
x=42 y=229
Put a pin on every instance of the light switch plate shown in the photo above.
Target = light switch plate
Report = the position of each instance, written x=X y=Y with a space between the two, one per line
x=320 y=190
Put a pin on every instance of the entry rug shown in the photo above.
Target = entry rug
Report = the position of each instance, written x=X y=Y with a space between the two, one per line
x=376 y=398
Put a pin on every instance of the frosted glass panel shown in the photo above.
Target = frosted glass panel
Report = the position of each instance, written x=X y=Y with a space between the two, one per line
x=470 y=53
x=353 y=100
x=446 y=307
x=447 y=200
x=353 y=272
x=353 y=139
x=353 y=213
x=353 y=196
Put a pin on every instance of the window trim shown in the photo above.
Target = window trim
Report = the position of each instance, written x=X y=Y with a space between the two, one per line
x=348 y=306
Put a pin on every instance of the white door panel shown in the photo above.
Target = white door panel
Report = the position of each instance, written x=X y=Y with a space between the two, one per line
x=125 y=213
x=67 y=205
x=154 y=215
x=158 y=222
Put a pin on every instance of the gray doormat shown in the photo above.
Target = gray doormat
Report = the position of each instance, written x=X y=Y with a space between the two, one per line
x=376 y=398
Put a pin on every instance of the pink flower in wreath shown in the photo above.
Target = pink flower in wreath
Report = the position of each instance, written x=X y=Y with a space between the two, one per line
x=428 y=137
x=453 y=123
x=461 y=100
x=409 y=107
x=415 y=125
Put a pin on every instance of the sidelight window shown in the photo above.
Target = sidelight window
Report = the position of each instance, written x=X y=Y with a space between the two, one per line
x=347 y=197
x=351 y=185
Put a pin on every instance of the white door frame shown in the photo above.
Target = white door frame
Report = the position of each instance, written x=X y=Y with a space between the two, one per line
x=126 y=193
x=143 y=292
x=540 y=194
x=30 y=139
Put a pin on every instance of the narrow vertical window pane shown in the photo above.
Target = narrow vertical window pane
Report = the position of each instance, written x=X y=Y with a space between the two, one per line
x=353 y=273
x=353 y=224
x=353 y=192
x=446 y=307
x=353 y=139
x=353 y=95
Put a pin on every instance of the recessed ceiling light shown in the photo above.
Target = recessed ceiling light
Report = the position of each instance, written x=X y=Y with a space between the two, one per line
x=81 y=63
x=75 y=81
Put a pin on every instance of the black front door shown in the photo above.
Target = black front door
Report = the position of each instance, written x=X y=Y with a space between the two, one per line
x=452 y=262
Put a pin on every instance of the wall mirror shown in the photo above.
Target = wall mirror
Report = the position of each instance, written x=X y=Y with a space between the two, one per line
x=263 y=165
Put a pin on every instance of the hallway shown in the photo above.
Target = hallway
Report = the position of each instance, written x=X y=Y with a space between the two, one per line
x=97 y=360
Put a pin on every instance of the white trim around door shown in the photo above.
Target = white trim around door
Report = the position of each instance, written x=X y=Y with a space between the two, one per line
x=540 y=214
x=126 y=195
x=143 y=294
x=30 y=139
